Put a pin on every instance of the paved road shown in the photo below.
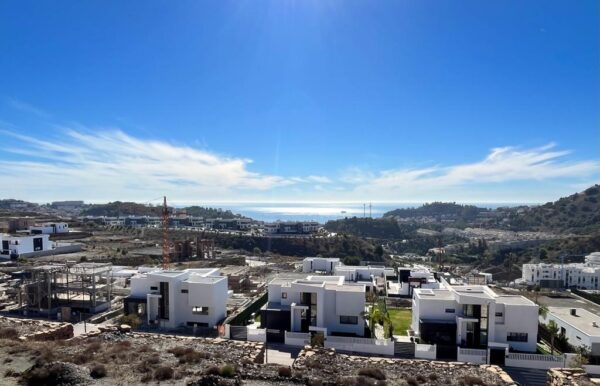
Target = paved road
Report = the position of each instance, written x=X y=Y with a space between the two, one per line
x=281 y=354
x=527 y=377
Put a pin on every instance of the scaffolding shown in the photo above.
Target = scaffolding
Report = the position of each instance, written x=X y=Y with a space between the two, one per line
x=60 y=288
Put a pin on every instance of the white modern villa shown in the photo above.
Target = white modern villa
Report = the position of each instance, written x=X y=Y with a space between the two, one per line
x=24 y=245
x=171 y=299
x=579 y=326
x=324 y=265
x=578 y=275
x=474 y=317
x=325 y=304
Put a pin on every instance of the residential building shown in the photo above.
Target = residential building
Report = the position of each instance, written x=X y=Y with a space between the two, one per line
x=577 y=275
x=23 y=245
x=325 y=304
x=49 y=228
x=579 y=326
x=172 y=299
x=373 y=277
x=320 y=264
x=291 y=227
x=410 y=278
x=474 y=317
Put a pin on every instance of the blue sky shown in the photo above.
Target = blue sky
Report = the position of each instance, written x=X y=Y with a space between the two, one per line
x=299 y=100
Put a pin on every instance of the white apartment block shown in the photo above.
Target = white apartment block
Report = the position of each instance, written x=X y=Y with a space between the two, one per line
x=474 y=317
x=579 y=275
x=323 y=304
x=49 y=228
x=320 y=264
x=581 y=327
x=19 y=245
x=173 y=299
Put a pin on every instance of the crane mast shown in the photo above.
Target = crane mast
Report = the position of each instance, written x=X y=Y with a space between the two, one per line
x=166 y=258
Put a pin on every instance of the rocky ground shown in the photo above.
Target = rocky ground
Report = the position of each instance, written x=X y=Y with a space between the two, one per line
x=11 y=326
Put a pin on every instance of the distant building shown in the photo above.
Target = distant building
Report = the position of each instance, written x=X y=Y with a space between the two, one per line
x=22 y=245
x=410 y=278
x=325 y=304
x=474 y=317
x=173 y=299
x=579 y=326
x=49 y=228
x=320 y=264
x=291 y=227
x=578 y=275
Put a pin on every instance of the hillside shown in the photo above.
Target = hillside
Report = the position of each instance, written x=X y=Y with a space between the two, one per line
x=384 y=228
x=119 y=208
x=439 y=210
x=577 y=213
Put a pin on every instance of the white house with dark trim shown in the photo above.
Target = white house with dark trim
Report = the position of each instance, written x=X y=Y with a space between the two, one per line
x=579 y=326
x=325 y=304
x=320 y=264
x=174 y=299
x=24 y=245
x=474 y=317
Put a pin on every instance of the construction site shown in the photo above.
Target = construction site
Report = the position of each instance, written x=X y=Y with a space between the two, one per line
x=62 y=291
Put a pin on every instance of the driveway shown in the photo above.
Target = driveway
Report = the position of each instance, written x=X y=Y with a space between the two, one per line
x=281 y=354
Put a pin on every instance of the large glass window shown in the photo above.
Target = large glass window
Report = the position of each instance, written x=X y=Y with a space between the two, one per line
x=517 y=337
x=345 y=319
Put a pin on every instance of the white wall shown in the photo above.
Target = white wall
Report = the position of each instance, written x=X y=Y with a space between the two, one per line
x=362 y=345
x=426 y=351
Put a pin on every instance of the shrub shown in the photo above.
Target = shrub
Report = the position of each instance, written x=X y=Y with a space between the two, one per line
x=433 y=377
x=313 y=364
x=146 y=378
x=285 y=371
x=212 y=370
x=98 y=371
x=412 y=381
x=163 y=373
x=421 y=378
x=93 y=347
x=9 y=333
x=315 y=382
x=470 y=380
x=132 y=320
x=227 y=371
x=372 y=372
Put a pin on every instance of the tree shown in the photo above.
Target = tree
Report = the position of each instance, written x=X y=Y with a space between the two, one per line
x=543 y=311
x=553 y=330
x=582 y=357
x=543 y=254
x=379 y=251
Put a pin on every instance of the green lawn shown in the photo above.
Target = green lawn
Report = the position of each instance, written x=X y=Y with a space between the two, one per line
x=401 y=319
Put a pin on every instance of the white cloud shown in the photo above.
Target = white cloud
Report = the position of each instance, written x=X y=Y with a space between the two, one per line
x=319 y=179
x=502 y=165
x=112 y=164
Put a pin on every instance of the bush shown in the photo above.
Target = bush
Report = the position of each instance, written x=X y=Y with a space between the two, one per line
x=285 y=371
x=212 y=370
x=469 y=380
x=9 y=333
x=372 y=372
x=132 y=320
x=313 y=364
x=163 y=373
x=227 y=371
x=433 y=377
x=412 y=381
x=98 y=371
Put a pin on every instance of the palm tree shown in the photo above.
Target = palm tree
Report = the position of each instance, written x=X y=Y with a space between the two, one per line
x=543 y=311
x=553 y=330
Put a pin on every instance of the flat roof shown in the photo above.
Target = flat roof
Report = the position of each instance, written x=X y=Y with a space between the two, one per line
x=514 y=300
x=427 y=293
x=583 y=320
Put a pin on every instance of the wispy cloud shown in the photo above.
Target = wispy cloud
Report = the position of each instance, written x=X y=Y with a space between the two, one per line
x=501 y=165
x=27 y=108
x=110 y=160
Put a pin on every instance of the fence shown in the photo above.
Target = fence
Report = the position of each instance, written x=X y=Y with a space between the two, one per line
x=256 y=334
x=297 y=339
x=471 y=355
x=537 y=361
x=425 y=351
x=361 y=345
x=241 y=319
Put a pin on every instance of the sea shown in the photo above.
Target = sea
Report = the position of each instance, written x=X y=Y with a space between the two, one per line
x=323 y=212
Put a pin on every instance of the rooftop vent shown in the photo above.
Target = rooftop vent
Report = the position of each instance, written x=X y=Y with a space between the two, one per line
x=573 y=311
x=595 y=324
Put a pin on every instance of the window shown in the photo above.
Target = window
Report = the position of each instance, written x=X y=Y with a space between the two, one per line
x=517 y=337
x=499 y=314
x=153 y=288
x=348 y=319
x=184 y=291
x=284 y=295
x=200 y=310
x=192 y=324
x=450 y=310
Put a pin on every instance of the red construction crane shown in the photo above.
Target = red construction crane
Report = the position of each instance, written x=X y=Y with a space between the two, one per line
x=166 y=258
